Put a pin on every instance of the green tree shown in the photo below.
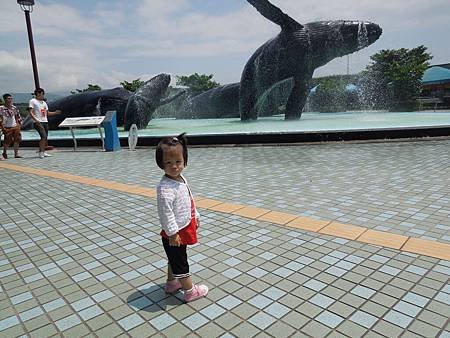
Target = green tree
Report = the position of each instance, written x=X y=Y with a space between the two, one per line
x=398 y=73
x=329 y=96
x=133 y=85
x=90 y=87
x=197 y=83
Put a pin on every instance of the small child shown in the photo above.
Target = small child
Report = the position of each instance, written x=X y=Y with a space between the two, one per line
x=177 y=215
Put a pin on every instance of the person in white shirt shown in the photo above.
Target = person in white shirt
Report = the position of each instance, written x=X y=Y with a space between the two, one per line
x=178 y=216
x=39 y=111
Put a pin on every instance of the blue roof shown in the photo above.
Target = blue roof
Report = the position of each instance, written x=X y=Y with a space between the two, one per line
x=436 y=75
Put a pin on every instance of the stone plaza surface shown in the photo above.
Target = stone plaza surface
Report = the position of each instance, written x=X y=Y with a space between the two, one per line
x=81 y=252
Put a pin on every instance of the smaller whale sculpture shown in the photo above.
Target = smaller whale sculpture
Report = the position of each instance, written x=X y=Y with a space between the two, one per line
x=223 y=102
x=218 y=102
x=131 y=108
x=141 y=106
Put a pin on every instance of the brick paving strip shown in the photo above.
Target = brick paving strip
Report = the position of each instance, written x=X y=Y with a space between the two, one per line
x=347 y=231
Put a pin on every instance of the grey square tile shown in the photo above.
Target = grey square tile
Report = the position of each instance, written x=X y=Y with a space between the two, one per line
x=362 y=291
x=103 y=295
x=416 y=270
x=315 y=285
x=9 y=322
x=131 y=321
x=82 y=303
x=130 y=275
x=321 y=300
x=163 y=321
x=407 y=308
x=274 y=293
x=304 y=260
x=229 y=302
x=67 y=322
x=345 y=265
x=329 y=319
x=81 y=276
x=445 y=334
x=398 y=318
x=146 y=269
x=267 y=256
x=31 y=313
x=379 y=259
x=212 y=311
x=233 y=252
x=21 y=298
x=443 y=298
x=364 y=319
x=261 y=320
x=105 y=276
x=295 y=266
x=195 y=321
x=277 y=310
x=231 y=273
x=232 y=261
x=32 y=278
x=354 y=259
x=257 y=272
x=389 y=270
x=140 y=303
x=198 y=257
x=260 y=301
x=90 y=312
x=283 y=272
x=338 y=272
x=54 y=304
x=329 y=259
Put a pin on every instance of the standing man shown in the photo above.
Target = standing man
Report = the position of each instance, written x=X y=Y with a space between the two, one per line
x=10 y=124
x=39 y=112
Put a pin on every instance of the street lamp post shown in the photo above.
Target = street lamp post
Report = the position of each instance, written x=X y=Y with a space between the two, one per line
x=27 y=7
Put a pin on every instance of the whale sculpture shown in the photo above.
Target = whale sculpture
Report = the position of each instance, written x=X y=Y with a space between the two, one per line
x=218 y=102
x=294 y=54
x=223 y=102
x=141 y=106
x=131 y=108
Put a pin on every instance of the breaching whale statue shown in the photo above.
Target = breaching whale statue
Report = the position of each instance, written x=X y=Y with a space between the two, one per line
x=131 y=108
x=295 y=53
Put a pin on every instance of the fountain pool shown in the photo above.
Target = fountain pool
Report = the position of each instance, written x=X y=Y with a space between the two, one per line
x=310 y=123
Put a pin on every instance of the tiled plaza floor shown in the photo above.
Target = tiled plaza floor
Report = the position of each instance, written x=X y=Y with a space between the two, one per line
x=80 y=258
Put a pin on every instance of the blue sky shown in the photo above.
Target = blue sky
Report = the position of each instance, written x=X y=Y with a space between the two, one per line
x=106 y=42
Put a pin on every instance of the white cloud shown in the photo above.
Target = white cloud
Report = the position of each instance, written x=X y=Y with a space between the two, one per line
x=58 y=21
x=156 y=9
x=117 y=40
x=13 y=19
x=15 y=72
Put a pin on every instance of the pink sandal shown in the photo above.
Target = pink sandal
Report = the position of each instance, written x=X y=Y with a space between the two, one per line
x=197 y=291
x=173 y=286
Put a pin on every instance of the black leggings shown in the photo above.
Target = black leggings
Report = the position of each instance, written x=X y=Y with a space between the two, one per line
x=177 y=257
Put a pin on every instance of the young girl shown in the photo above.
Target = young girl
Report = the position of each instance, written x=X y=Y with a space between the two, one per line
x=177 y=215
